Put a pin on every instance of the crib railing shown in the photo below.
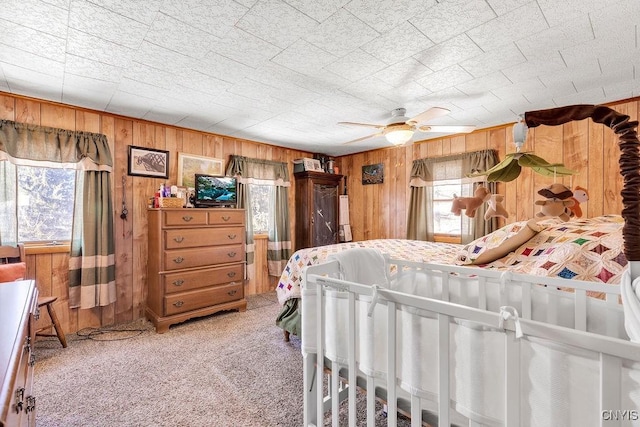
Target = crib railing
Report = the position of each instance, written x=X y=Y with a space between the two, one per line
x=321 y=288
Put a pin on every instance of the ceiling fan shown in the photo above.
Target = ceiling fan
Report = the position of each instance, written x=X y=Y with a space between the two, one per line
x=399 y=128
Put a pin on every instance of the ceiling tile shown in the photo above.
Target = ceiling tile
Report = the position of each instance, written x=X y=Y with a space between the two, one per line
x=446 y=78
x=355 y=66
x=23 y=59
x=175 y=35
x=484 y=84
x=304 y=57
x=97 y=49
x=447 y=19
x=500 y=7
x=318 y=10
x=92 y=19
x=494 y=60
x=37 y=15
x=85 y=67
x=215 y=19
x=245 y=48
x=164 y=59
x=32 y=82
x=558 y=12
x=448 y=53
x=556 y=38
x=141 y=11
x=33 y=41
x=276 y=22
x=130 y=105
x=341 y=33
x=512 y=26
x=403 y=72
x=401 y=42
x=385 y=15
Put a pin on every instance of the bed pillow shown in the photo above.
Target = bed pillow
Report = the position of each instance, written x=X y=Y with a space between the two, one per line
x=13 y=272
x=497 y=244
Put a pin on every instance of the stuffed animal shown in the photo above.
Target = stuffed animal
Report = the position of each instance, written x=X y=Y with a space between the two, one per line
x=557 y=203
x=495 y=207
x=580 y=195
x=470 y=204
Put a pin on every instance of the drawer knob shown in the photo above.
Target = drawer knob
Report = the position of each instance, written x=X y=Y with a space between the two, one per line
x=231 y=236
x=178 y=282
x=231 y=274
x=233 y=292
x=187 y=218
x=178 y=239
x=178 y=303
x=231 y=254
x=226 y=218
x=178 y=260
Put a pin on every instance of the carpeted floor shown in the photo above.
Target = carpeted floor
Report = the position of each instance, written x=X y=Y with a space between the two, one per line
x=229 y=369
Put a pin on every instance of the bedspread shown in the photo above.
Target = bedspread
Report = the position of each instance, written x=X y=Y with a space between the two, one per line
x=410 y=250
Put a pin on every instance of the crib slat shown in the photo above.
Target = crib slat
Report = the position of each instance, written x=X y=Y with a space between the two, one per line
x=512 y=379
x=335 y=394
x=443 y=372
x=416 y=411
x=392 y=399
x=320 y=352
x=526 y=300
x=610 y=387
x=482 y=293
x=352 y=359
x=371 y=402
x=580 y=303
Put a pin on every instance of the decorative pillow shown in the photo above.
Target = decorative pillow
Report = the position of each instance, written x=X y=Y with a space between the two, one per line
x=13 y=272
x=497 y=244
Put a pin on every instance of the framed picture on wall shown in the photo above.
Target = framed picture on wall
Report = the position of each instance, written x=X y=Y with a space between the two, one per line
x=148 y=162
x=190 y=164
x=373 y=174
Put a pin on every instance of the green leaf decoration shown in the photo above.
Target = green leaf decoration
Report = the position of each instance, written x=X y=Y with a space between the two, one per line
x=510 y=168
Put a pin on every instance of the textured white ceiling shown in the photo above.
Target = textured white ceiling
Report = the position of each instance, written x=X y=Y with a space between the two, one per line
x=286 y=71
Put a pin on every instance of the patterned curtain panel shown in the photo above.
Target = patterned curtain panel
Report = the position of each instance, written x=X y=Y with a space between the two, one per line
x=426 y=172
x=276 y=174
x=92 y=260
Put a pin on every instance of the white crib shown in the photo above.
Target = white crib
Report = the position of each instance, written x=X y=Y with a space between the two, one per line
x=468 y=346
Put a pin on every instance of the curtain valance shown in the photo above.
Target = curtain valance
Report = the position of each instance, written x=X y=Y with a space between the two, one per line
x=248 y=170
x=42 y=146
x=457 y=166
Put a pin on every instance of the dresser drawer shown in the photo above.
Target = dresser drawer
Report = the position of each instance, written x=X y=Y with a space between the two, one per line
x=196 y=237
x=200 y=257
x=188 y=280
x=226 y=217
x=184 y=217
x=193 y=300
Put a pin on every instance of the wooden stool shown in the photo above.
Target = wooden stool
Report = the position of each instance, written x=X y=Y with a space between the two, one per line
x=48 y=301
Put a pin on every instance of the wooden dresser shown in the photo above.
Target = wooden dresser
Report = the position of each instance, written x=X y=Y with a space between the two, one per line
x=18 y=307
x=196 y=264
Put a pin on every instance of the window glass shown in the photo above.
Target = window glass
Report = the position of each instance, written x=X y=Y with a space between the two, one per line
x=45 y=203
x=445 y=222
x=261 y=196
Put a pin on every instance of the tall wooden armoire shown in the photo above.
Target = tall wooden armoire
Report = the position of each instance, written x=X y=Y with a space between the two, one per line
x=317 y=201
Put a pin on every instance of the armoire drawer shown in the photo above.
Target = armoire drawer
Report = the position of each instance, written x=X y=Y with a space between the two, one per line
x=196 y=237
x=203 y=256
x=193 y=300
x=188 y=280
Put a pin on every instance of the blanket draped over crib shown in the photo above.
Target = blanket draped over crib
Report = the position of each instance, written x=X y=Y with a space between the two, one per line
x=580 y=249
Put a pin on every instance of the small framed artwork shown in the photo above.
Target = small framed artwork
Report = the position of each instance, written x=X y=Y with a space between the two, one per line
x=312 y=165
x=190 y=164
x=148 y=162
x=373 y=174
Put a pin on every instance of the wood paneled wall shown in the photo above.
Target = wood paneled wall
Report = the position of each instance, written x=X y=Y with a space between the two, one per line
x=51 y=268
x=380 y=210
x=376 y=211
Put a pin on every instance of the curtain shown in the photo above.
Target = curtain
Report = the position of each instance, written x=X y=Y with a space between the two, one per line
x=276 y=174
x=92 y=258
x=425 y=172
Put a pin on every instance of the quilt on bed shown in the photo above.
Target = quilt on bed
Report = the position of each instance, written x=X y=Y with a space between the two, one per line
x=581 y=249
x=410 y=250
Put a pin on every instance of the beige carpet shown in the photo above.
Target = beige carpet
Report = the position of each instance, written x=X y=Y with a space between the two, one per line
x=229 y=369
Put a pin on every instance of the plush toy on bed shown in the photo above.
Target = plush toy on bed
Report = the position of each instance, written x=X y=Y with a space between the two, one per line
x=557 y=203
x=580 y=195
x=470 y=204
x=495 y=207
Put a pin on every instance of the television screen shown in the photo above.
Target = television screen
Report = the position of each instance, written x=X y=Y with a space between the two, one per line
x=215 y=191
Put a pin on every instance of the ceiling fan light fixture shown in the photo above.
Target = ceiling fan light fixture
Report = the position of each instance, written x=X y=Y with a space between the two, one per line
x=399 y=136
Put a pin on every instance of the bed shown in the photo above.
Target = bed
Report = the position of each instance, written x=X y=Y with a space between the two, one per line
x=536 y=337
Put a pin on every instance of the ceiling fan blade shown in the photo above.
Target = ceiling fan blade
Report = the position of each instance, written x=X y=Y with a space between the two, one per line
x=363 y=138
x=431 y=113
x=447 y=129
x=370 y=125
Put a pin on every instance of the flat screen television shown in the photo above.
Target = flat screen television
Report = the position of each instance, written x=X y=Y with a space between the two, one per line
x=215 y=191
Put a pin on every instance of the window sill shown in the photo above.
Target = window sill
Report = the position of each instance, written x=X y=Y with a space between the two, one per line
x=260 y=236
x=447 y=238
x=37 y=249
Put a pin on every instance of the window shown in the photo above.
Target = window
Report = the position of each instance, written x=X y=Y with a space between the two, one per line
x=44 y=199
x=261 y=198
x=444 y=221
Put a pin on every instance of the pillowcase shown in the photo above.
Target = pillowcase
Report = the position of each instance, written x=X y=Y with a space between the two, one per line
x=13 y=272
x=497 y=244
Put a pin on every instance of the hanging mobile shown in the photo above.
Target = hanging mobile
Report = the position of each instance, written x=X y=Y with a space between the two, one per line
x=124 y=212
